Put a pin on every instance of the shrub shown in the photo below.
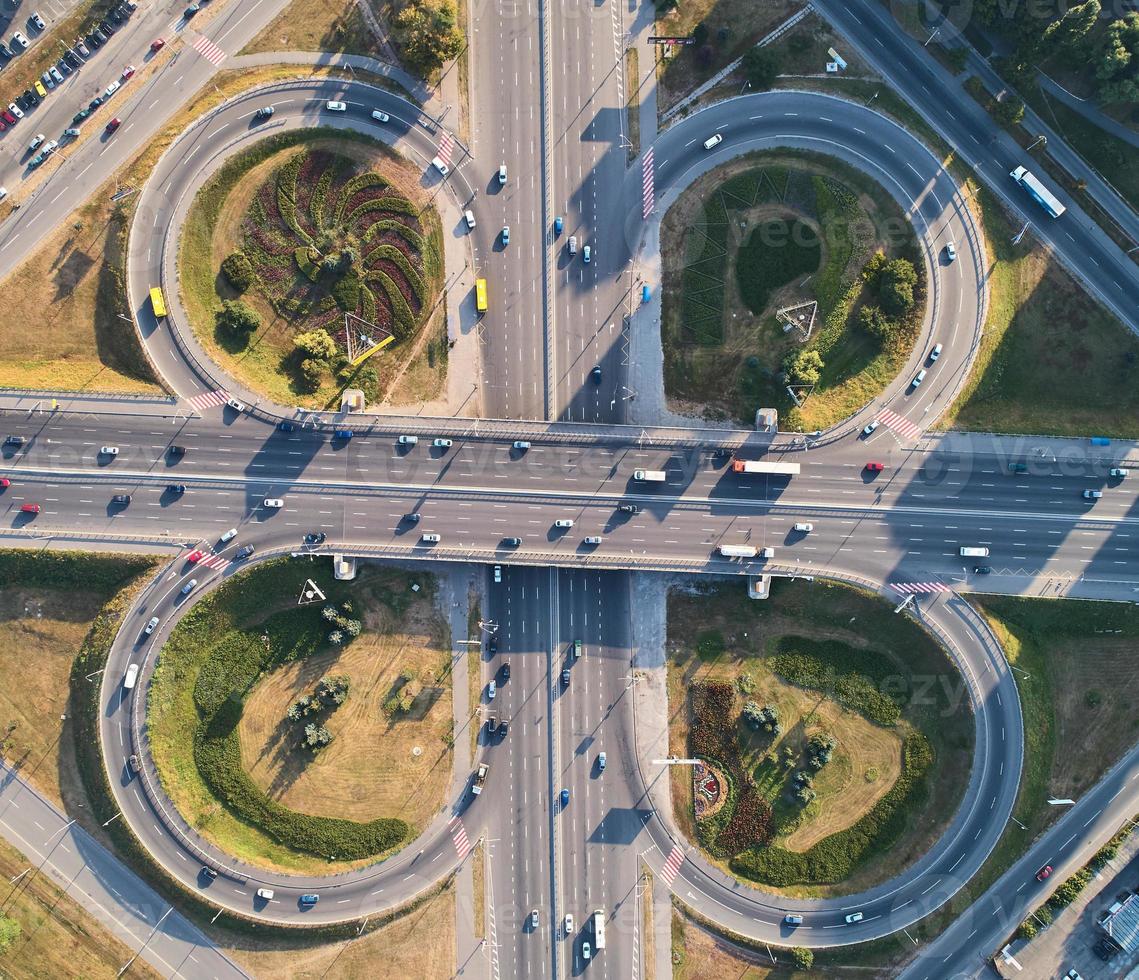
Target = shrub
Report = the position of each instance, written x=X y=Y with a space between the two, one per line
x=804 y=367
x=896 y=284
x=802 y=957
x=238 y=271
x=317 y=344
x=1070 y=890
x=311 y=374
x=238 y=317
x=428 y=34
x=1026 y=930
x=761 y=66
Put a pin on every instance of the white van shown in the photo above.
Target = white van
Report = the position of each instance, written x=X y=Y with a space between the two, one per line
x=469 y=217
x=440 y=166
x=766 y=552
x=573 y=245
x=804 y=527
x=974 y=552
x=265 y=893
x=713 y=141
x=130 y=677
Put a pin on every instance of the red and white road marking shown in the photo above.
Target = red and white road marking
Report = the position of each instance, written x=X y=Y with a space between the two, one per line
x=672 y=865
x=909 y=588
x=208 y=50
x=219 y=397
x=647 y=182
x=904 y=427
x=446 y=145
x=459 y=836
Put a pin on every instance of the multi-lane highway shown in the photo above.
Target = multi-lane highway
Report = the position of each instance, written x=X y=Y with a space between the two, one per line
x=548 y=92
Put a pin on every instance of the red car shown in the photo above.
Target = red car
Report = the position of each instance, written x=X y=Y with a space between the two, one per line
x=874 y=467
x=128 y=71
x=8 y=117
x=158 y=45
x=114 y=124
x=30 y=508
x=3 y=126
x=5 y=483
x=1044 y=872
x=195 y=556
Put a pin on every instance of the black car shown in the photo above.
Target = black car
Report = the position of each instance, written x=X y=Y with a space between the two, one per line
x=95 y=103
x=208 y=872
x=595 y=374
x=565 y=677
x=492 y=645
x=982 y=569
x=505 y=670
x=5 y=50
x=411 y=518
x=177 y=450
x=116 y=17
x=22 y=102
x=121 y=498
x=72 y=59
x=315 y=537
x=191 y=10
x=94 y=40
x=242 y=553
x=177 y=488
x=503 y=728
x=628 y=508
x=511 y=542
x=31 y=97
x=64 y=67
x=14 y=440
x=107 y=28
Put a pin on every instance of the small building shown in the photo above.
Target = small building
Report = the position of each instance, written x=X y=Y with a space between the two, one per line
x=767 y=420
x=1121 y=923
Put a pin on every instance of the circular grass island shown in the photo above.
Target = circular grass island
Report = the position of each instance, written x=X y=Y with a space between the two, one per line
x=308 y=738
x=802 y=234
x=304 y=253
x=836 y=737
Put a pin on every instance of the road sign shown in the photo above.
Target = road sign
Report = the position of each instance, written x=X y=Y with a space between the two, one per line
x=672 y=40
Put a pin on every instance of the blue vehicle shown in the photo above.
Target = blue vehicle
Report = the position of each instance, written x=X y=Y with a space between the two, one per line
x=558 y=225
x=343 y=435
x=285 y=427
x=645 y=294
x=506 y=234
x=565 y=798
x=308 y=901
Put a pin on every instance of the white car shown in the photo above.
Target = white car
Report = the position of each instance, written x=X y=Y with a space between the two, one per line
x=265 y=893
x=381 y=116
x=15 y=110
x=38 y=21
x=586 y=254
x=235 y=405
x=502 y=175
x=935 y=353
x=713 y=141
x=112 y=89
x=569 y=923
x=586 y=952
x=918 y=378
x=563 y=522
x=430 y=537
x=573 y=245
x=336 y=106
x=593 y=539
x=109 y=450
x=469 y=218
x=534 y=919
x=274 y=503
x=871 y=427
x=442 y=444
x=229 y=535
x=804 y=527
x=36 y=143
x=150 y=625
x=1093 y=494
x=853 y=917
x=950 y=251
x=3 y=193
x=22 y=41
x=1114 y=471
x=439 y=165
x=408 y=440
x=491 y=690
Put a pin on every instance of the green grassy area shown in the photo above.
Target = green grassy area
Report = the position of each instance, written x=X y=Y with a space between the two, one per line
x=318 y=25
x=726 y=255
x=633 y=102
x=867 y=686
x=235 y=211
x=1051 y=360
x=210 y=669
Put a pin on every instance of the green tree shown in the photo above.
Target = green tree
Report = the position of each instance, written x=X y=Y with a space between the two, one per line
x=957 y=58
x=753 y=715
x=238 y=317
x=316 y=344
x=876 y=323
x=1009 y=111
x=428 y=34
x=804 y=368
x=238 y=271
x=761 y=66
x=700 y=34
x=1066 y=35
x=802 y=957
x=896 y=286
x=311 y=375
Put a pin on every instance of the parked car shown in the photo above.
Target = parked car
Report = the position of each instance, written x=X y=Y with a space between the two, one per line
x=14 y=108
x=18 y=40
x=38 y=21
x=128 y=72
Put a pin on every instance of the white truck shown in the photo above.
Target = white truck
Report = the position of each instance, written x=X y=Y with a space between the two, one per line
x=745 y=551
x=974 y=552
x=650 y=476
x=480 y=779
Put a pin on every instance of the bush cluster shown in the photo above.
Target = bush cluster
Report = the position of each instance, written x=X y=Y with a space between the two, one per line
x=238 y=271
x=745 y=818
x=836 y=857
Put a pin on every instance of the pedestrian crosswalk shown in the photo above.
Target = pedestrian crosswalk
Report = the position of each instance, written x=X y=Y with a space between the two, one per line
x=205 y=559
x=910 y=588
x=209 y=398
x=648 y=190
x=672 y=865
x=459 y=837
x=208 y=50
x=904 y=427
x=446 y=145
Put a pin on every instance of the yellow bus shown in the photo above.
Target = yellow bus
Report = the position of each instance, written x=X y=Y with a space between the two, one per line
x=480 y=295
x=157 y=302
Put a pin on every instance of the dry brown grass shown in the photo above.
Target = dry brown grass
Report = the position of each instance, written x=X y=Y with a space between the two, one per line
x=703 y=955
x=317 y=25
x=57 y=937
x=420 y=945
x=745 y=22
x=371 y=769
x=45 y=628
